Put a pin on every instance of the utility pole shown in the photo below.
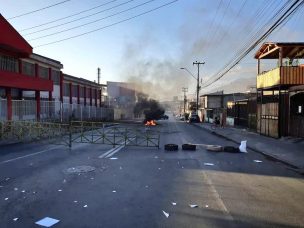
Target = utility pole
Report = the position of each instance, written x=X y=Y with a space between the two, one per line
x=197 y=87
x=185 y=90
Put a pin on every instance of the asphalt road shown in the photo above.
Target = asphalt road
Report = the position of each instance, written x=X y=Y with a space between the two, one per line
x=134 y=189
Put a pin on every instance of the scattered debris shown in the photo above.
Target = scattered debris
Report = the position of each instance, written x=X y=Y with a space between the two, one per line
x=92 y=178
x=171 y=147
x=156 y=157
x=85 y=206
x=34 y=192
x=231 y=149
x=215 y=148
x=7 y=179
x=15 y=219
x=15 y=189
x=64 y=181
x=114 y=191
x=6 y=199
x=75 y=201
x=182 y=167
x=206 y=205
x=120 y=167
x=47 y=222
x=59 y=190
x=159 y=168
x=147 y=186
x=193 y=205
x=257 y=161
x=166 y=214
x=80 y=169
x=1 y=186
x=243 y=146
x=113 y=158
x=208 y=164
x=173 y=203
x=188 y=146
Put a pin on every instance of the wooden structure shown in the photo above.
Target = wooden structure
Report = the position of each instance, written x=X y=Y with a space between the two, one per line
x=280 y=99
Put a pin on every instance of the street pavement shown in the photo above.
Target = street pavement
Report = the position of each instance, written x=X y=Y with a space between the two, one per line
x=136 y=188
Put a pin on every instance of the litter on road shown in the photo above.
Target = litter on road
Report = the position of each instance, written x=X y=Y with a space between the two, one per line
x=120 y=167
x=23 y=191
x=114 y=191
x=242 y=147
x=156 y=157
x=193 y=205
x=59 y=190
x=47 y=222
x=85 y=206
x=257 y=161
x=208 y=164
x=6 y=199
x=75 y=201
x=113 y=158
x=166 y=214
x=15 y=219
x=206 y=205
x=15 y=189
x=173 y=203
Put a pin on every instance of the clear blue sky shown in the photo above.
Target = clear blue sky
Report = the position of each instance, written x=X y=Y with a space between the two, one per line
x=151 y=48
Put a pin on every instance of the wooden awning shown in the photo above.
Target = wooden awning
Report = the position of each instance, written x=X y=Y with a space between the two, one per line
x=271 y=50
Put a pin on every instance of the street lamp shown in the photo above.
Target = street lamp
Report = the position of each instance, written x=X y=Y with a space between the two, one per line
x=184 y=68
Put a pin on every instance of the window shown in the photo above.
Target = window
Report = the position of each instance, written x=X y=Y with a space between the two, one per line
x=56 y=77
x=75 y=91
x=66 y=89
x=43 y=72
x=8 y=63
x=28 y=68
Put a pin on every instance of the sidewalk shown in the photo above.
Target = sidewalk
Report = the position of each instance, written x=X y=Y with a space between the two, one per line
x=285 y=150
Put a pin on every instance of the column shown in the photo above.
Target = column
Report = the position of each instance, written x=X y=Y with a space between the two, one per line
x=37 y=94
x=50 y=78
x=85 y=95
x=61 y=87
x=96 y=97
x=71 y=92
x=90 y=96
x=8 y=92
x=78 y=92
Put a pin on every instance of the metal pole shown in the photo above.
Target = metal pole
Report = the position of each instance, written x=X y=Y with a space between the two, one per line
x=197 y=86
x=185 y=99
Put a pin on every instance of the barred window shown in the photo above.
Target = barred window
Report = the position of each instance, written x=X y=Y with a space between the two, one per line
x=56 y=77
x=75 y=91
x=66 y=89
x=81 y=91
x=43 y=72
x=28 y=68
x=8 y=63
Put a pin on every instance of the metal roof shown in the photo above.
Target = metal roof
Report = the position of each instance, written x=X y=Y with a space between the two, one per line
x=270 y=50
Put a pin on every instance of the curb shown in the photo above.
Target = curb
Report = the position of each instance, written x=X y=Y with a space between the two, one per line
x=273 y=157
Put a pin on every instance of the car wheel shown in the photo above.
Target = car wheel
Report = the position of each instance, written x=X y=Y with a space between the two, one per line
x=171 y=147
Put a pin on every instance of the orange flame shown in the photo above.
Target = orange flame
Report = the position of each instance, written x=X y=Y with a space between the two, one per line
x=150 y=123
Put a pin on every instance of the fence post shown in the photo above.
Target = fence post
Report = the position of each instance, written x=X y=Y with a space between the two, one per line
x=70 y=135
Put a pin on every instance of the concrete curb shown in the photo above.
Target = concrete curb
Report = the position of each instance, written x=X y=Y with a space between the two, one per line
x=271 y=156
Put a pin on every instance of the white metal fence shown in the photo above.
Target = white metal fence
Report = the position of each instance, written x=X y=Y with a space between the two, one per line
x=54 y=111
x=3 y=109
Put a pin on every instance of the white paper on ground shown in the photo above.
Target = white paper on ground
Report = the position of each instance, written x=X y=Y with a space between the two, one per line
x=173 y=203
x=243 y=146
x=206 y=205
x=15 y=189
x=47 y=222
x=15 y=219
x=113 y=191
x=59 y=190
x=6 y=199
x=113 y=158
x=257 y=161
x=193 y=205
x=85 y=206
x=166 y=214
x=208 y=164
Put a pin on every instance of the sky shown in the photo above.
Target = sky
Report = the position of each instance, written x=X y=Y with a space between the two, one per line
x=150 y=49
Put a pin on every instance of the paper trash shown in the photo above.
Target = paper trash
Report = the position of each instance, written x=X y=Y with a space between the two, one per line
x=113 y=158
x=166 y=214
x=173 y=203
x=193 y=205
x=15 y=219
x=47 y=222
x=243 y=146
x=257 y=161
x=208 y=164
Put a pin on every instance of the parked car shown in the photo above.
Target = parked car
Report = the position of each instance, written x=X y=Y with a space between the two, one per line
x=194 y=118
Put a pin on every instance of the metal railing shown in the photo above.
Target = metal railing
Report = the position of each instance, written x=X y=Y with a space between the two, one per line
x=78 y=132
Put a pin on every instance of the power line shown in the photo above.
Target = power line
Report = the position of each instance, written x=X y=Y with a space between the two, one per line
x=104 y=27
x=78 y=19
x=34 y=11
x=72 y=15
x=290 y=11
x=82 y=25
